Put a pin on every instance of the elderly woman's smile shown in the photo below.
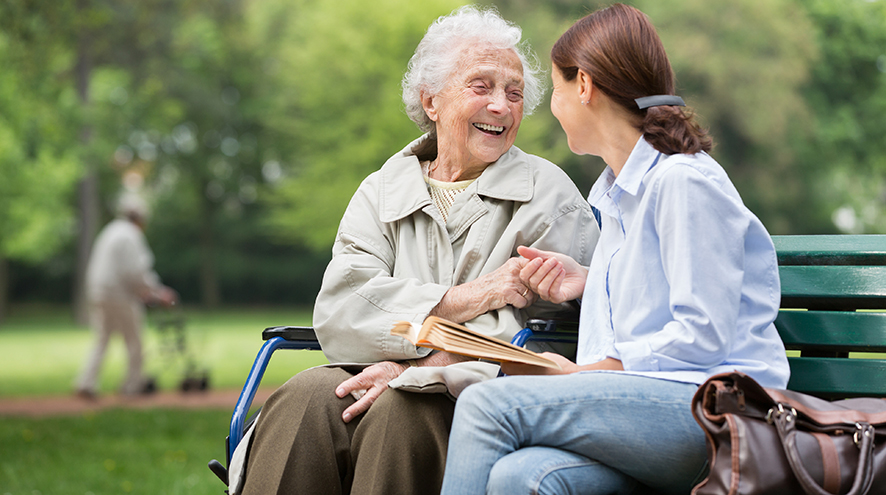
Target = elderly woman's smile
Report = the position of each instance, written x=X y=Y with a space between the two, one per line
x=477 y=113
x=492 y=129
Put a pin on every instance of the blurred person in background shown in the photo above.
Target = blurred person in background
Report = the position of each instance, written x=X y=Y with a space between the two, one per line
x=120 y=280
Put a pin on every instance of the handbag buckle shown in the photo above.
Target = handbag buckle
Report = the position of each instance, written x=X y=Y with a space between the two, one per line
x=778 y=410
x=861 y=429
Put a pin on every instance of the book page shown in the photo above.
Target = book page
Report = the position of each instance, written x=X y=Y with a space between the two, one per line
x=438 y=333
x=407 y=330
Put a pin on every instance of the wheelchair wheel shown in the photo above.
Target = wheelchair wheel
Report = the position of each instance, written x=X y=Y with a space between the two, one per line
x=195 y=383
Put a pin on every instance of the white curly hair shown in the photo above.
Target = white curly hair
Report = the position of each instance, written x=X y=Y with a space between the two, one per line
x=435 y=60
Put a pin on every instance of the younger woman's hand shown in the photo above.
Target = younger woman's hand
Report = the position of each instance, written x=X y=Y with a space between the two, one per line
x=566 y=366
x=553 y=276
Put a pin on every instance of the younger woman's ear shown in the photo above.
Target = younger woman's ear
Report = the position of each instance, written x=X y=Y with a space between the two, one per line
x=585 y=85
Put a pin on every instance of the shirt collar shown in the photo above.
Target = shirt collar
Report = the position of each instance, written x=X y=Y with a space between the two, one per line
x=642 y=158
x=403 y=189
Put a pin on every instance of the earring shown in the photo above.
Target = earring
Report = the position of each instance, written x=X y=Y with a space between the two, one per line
x=585 y=102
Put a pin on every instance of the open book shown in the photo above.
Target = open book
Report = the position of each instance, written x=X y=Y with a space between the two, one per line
x=438 y=333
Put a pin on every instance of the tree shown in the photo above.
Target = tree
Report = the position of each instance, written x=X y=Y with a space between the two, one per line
x=38 y=162
x=743 y=65
x=81 y=36
x=157 y=83
x=846 y=155
x=334 y=106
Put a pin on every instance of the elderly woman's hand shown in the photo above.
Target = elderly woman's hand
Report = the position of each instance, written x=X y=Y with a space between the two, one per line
x=367 y=386
x=553 y=276
x=486 y=293
x=502 y=287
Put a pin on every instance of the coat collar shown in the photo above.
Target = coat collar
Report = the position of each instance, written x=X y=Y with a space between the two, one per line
x=403 y=189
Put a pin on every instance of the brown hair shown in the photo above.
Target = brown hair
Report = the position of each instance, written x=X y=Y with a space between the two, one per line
x=621 y=51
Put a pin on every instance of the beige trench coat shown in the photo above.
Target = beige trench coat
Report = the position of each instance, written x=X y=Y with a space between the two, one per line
x=394 y=258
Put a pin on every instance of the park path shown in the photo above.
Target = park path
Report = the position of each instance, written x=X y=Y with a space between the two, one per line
x=70 y=405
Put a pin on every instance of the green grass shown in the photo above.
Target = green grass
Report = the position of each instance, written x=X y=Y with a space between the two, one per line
x=42 y=349
x=127 y=451
x=113 y=452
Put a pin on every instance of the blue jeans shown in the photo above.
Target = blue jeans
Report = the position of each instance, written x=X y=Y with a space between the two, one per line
x=589 y=433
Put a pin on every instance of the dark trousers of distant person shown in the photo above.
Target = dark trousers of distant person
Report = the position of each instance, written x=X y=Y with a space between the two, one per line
x=302 y=446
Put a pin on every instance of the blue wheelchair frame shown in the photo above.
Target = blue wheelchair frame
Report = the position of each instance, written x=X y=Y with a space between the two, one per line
x=304 y=338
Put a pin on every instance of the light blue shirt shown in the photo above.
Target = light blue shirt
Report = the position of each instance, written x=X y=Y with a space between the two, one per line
x=684 y=280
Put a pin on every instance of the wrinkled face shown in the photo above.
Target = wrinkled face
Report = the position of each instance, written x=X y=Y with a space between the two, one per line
x=478 y=112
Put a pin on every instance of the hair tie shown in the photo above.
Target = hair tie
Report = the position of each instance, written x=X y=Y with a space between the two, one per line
x=659 y=100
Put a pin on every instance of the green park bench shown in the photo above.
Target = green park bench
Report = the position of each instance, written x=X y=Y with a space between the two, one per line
x=832 y=321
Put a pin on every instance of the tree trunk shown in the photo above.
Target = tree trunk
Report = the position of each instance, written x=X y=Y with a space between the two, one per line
x=88 y=214
x=87 y=190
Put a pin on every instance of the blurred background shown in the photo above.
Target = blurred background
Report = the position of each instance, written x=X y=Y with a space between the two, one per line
x=248 y=124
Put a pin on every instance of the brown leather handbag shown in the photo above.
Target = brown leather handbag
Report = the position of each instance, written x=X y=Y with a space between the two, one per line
x=766 y=441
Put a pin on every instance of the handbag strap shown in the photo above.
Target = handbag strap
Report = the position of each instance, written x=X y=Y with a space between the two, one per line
x=785 y=419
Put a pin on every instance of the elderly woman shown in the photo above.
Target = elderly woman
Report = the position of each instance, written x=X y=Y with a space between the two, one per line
x=433 y=232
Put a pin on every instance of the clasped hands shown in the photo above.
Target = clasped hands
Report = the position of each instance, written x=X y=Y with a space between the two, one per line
x=554 y=277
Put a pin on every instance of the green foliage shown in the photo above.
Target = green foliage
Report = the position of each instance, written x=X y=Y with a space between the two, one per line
x=334 y=93
x=36 y=218
x=38 y=165
x=741 y=66
x=847 y=93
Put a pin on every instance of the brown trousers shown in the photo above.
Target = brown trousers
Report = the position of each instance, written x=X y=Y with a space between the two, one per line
x=302 y=446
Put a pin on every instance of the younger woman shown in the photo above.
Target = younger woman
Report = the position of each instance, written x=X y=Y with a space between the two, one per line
x=683 y=284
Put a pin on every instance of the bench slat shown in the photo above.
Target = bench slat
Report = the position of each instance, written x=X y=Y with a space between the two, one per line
x=838 y=330
x=833 y=287
x=838 y=377
x=830 y=249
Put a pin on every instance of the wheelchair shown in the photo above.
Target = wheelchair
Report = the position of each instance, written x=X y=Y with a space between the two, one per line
x=550 y=331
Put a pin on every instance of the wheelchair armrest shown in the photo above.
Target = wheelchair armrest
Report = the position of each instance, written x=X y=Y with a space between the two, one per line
x=290 y=333
x=275 y=338
x=552 y=325
x=551 y=330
